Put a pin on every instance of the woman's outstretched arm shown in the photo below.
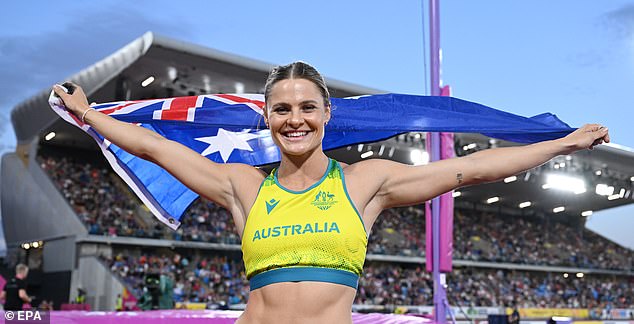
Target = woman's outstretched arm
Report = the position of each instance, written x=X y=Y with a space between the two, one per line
x=401 y=184
x=217 y=182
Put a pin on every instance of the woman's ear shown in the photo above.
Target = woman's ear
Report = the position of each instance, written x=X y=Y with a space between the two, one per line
x=327 y=114
x=265 y=115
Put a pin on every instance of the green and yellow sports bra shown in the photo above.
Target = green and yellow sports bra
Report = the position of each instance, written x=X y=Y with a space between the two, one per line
x=310 y=235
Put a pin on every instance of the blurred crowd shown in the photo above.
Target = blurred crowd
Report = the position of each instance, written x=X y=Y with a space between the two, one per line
x=219 y=281
x=107 y=207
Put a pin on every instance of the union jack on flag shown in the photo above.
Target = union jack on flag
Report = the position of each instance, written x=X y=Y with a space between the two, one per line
x=229 y=128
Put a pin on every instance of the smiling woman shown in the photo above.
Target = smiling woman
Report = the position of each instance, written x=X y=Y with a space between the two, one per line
x=304 y=226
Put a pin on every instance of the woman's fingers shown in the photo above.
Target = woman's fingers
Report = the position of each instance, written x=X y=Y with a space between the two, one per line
x=59 y=91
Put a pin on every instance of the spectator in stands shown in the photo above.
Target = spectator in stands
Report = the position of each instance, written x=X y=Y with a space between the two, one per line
x=297 y=108
x=14 y=292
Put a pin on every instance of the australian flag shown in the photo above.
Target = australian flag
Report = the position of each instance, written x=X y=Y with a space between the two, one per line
x=229 y=128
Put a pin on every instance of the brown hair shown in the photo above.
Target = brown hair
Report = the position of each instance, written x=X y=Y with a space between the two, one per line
x=297 y=70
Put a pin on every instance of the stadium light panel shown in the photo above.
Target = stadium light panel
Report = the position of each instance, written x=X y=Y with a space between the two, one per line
x=366 y=154
x=559 y=209
x=586 y=213
x=493 y=200
x=419 y=157
x=525 y=204
x=469 y=147
x=26 y=246
x=579 y=274
x=565 y=183
x=604 y=190
x=147 y=81
x=35 y=245
x=622 y=193
x=632 y=178
x=565 y=275
x=598 y=172
x=614 y=197
x=456 y=194
x=510 y=179
x=568 y=157
x=49 y=136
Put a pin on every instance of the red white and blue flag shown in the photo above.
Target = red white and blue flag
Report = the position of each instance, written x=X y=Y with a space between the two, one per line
x=230 y=129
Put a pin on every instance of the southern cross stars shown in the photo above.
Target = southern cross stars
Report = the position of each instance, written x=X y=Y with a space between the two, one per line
x=225 y=142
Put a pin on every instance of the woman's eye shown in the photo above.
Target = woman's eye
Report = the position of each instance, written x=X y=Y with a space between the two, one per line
x=280 y=110
x=310 y=107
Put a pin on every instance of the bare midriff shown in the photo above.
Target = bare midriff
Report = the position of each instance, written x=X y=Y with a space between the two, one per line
x=299 y=302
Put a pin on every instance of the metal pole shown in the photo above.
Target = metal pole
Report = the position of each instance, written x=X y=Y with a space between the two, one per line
x=440 y=310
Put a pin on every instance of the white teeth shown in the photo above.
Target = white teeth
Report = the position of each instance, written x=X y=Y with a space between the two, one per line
x=295 y=134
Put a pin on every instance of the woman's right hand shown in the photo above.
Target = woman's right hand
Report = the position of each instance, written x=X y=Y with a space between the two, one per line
x=77 y=103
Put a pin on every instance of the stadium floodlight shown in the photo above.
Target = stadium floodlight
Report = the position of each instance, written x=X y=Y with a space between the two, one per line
x=614 y=197
x=598 y=172
x=49 y=136
x=559 y=209
x=510 y=179
x=632 y=178
x=579 y=274
x=35 y=245
x=546 y=186
x=586 y=213
x=604 y=190
x=568 y=157
x=469 y=147
x=622 y=193
x=147 y=81
x=456 y=194
x=493 y=200
x=565 y=275
x=26 y=246
x=562 y=164
x=525 y=204
x=366 y=154
x=419 y=157
x=381 y=149
x=565 y=183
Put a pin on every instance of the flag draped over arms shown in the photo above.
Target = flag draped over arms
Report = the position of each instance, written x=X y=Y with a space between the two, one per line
x=230 y=129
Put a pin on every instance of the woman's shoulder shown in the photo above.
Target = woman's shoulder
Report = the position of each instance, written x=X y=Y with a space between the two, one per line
x=364 y=166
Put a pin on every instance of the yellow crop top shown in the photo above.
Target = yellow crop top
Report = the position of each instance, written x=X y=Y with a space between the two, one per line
x=310 y=235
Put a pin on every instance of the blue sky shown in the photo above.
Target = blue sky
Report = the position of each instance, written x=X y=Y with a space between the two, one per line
x=572 y=58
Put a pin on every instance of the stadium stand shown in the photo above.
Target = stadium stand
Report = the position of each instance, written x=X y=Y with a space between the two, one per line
x=106 y=207
x=219 y=281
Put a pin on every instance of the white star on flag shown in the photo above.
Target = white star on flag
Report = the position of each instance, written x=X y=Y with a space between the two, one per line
x=225 y=142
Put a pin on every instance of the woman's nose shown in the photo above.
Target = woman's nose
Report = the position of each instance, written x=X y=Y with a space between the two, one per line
x=296 y=118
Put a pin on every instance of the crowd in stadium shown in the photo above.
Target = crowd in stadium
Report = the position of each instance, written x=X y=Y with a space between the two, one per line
x=106 y=207
x=220 y=281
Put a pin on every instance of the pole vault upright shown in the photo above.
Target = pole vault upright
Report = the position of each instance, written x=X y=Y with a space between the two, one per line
x=440 y=297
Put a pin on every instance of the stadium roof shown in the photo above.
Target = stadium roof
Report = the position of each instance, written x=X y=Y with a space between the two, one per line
x=178 y=68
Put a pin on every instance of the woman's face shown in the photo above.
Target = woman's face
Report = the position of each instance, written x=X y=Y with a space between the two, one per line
x=296 y=116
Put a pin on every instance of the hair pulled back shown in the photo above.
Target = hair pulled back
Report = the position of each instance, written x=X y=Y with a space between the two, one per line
x=297 y=70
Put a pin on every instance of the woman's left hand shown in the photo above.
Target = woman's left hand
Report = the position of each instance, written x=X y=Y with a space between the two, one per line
x=586 y=137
